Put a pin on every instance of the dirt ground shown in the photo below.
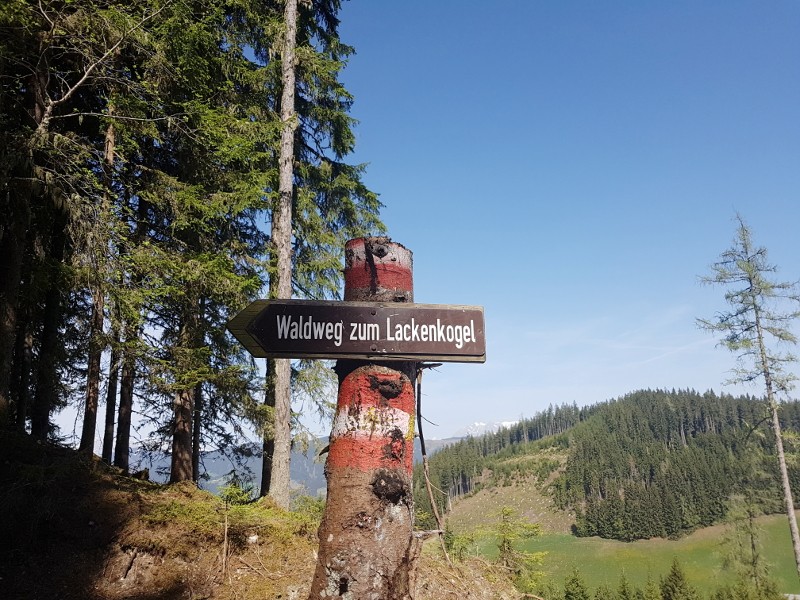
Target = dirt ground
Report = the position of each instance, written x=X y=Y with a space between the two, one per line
x=74 y=528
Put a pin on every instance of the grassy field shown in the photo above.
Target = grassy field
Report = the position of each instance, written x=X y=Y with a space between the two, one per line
x=603 y=561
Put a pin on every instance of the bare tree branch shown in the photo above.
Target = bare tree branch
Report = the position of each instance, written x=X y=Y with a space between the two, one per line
x=52 y=104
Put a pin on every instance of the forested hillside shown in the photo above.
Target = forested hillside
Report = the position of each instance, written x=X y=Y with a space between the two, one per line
x=650 y=464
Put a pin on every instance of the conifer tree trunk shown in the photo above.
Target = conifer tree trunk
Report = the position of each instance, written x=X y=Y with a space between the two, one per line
x=122 y=447
x=131 y=330
x=197 y=431
x=279 y=389
x=181 y=466
x=126 y=393
x=776 y=427
x=182 y=435
x=268 y=447
x=47 y=377
x=787 y=490
x=20 y=387
x=111 y=398
x=12 y=243
x=22 y=367
x=46 y=384
x=96 y=256
x=93 y=374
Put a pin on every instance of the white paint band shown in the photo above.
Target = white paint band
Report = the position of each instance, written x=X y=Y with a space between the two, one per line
x=370 y=421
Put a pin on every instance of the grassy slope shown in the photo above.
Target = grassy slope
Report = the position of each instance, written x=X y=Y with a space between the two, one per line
x=602 y=561
x=526 y=498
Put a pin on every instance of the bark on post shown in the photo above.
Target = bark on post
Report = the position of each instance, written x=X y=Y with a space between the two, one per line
x=367 y=549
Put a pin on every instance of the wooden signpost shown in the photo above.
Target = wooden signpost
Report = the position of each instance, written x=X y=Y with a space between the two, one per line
x=361 y=331
x=377 y=335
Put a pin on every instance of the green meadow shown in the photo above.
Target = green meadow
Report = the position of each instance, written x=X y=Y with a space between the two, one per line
x=700 y=554
x=602 y=561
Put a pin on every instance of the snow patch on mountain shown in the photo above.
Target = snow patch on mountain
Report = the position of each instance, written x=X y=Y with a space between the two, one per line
x=479 y=428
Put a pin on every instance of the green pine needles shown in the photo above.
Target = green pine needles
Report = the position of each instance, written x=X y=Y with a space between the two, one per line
x=757 y=328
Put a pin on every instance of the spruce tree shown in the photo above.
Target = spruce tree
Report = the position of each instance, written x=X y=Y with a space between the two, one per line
x=603 y=592
x=674 y=585
x=575 y=587
x=510 y=529
x=650 y=591
x=624 y=589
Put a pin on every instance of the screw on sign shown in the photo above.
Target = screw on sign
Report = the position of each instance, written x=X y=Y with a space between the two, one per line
x=367 y=549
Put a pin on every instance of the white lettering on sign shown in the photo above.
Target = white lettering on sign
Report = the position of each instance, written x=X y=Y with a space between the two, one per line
x=387 y=331
x=305 y=327
x=364 y=332
x=428 y=332
x=309 y=329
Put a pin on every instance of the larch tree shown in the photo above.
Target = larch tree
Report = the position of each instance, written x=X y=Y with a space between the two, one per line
x=743 y=552
x=757 y=328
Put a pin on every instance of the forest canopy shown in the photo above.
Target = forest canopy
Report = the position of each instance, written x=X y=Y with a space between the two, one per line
x=653 y=463
x=138 y=176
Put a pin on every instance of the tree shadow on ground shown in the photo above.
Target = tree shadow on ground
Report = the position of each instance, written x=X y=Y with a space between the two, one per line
x=61 y=518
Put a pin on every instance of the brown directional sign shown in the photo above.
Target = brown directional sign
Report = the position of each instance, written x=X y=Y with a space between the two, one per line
x=361 y=330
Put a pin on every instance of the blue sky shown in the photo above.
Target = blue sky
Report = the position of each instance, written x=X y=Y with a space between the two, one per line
x=573 y=167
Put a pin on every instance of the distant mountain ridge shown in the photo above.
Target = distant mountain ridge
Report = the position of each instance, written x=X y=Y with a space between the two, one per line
x=306 y=468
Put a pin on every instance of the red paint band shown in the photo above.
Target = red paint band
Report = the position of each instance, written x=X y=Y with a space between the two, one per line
x=367 y=454
x=391 y=276
x=363 y=388
x=370 y=431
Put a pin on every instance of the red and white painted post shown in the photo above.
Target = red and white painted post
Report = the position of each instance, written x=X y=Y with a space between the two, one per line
x=366 y=548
